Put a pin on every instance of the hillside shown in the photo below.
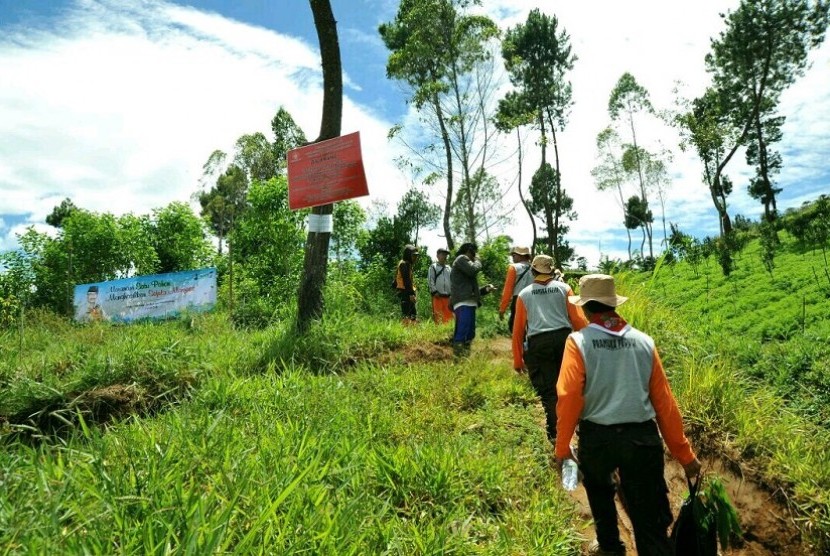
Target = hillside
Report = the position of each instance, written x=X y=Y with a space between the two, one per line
x=365 y=437
x=772 y=325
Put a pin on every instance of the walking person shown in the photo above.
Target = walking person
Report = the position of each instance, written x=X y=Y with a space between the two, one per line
x=613 y=387
x=405 y=284
x=438 y=279
x=544 y=318
x=465 y=297
x=518 y=277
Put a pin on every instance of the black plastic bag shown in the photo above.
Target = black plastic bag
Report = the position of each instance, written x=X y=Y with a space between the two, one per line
x=693 y=532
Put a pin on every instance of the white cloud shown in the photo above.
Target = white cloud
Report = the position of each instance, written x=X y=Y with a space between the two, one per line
x=661 y=44
x=120 y=104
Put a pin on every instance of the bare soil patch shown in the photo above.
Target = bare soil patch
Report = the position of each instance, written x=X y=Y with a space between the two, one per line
x=768 y=527
x=434 y=352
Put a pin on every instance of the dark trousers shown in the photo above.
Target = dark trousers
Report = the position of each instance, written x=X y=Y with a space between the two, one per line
x=408 y=310
x=543 y=358
x=512 y=316
x=465 y=324
x=635 y=450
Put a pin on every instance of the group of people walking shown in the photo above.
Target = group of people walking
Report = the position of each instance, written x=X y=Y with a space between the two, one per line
x=595 y=375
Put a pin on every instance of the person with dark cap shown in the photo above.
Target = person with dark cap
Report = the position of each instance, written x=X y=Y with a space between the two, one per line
x=465 y=297
x=544 y=318
x=438 y=279
x=518 y=278
x=612 y=386
x=94 y=311
x=405 y=284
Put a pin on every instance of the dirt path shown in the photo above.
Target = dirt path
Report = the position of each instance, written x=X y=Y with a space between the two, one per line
x=768 y=526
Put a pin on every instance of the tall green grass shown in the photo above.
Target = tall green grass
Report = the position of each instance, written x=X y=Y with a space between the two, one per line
x=412 y=459
x=99 y=369
x=731 y=411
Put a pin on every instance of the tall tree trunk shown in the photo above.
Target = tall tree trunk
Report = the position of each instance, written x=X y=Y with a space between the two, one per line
x=557 y=195
x=643 y=196
x=521 y=195
x=548 y=217
x=465 y=157
x=445 y=137
x=310 y=296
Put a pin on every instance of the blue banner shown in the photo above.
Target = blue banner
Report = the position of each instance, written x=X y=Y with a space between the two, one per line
x=155 y=297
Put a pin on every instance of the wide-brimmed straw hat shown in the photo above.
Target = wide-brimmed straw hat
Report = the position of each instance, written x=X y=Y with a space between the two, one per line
x=543 y=264
x=597 y=287
x=521 y=251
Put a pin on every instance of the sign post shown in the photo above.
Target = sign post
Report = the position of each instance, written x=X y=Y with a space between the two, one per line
x=326 y=172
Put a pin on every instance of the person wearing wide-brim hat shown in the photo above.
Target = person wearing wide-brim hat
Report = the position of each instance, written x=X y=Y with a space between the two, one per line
x=613 y=387
x=544 y=318
x=438 y=280
x=518 y=278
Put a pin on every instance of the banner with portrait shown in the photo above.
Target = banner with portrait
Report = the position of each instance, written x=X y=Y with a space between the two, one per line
x=154 y=297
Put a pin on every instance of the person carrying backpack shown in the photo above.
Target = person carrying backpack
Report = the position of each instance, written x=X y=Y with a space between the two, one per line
x=613 y=387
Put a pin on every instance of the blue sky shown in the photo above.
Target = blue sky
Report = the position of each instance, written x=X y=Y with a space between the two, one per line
x=118 y=103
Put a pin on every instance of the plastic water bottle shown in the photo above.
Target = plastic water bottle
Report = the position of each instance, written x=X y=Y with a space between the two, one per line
x=569 y=475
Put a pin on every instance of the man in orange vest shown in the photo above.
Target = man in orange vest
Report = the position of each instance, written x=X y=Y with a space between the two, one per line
x=613 y=386
x=405 y=284
x=544 y=318
x=518 y=277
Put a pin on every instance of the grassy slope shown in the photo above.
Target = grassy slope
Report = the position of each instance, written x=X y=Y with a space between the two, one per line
x=775 y=328
x=265 y=456
x=390 y=459
x=748 y=357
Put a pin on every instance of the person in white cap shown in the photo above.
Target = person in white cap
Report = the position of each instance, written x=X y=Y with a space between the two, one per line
x=438 y=280
x=613 y=386
x=518 y=278
x=544 y=318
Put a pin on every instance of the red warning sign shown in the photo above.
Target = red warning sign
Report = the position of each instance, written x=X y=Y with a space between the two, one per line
x=325 y=172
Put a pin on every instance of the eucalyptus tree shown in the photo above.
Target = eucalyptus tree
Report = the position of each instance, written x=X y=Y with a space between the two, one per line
x=628 y=101
x=349 y=218
x=609 y=172
x=255 y=154
x=657 y=176
x=638 y=215
x=767 y=163
x=255 y=158
x=544 y=195
x=61 y=212
x=179 y=238
x=416 y=212
x=435 y=46
x=538 y=55
x=287 y=135
x=511 y=115
x=762 y=51
x=704 y=125
x=225 y=202
x=654 y=170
